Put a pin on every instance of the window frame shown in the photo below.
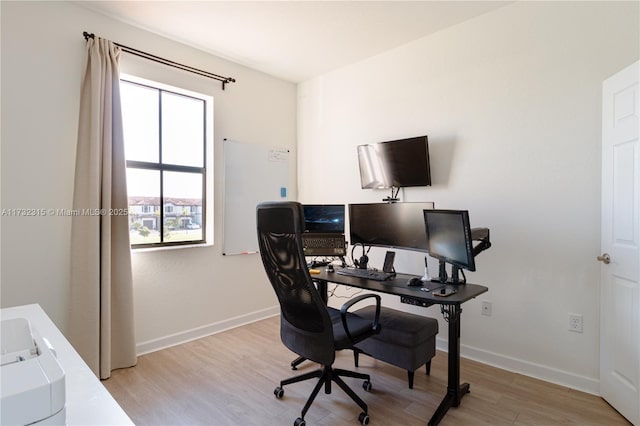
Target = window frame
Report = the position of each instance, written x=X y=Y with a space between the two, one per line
x=162 y=167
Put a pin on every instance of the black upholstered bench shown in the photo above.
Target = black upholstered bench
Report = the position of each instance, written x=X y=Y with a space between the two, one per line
x=405 y=340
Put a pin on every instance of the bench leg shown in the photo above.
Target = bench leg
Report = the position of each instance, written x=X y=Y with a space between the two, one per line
x=410 y=375
x=428 y=365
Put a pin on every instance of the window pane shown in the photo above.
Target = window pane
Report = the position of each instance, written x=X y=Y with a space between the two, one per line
x=182 y=206
x=143 y=188
x=182 y=130
x=140 y=122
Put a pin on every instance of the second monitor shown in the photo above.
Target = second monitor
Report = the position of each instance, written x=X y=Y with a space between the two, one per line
x=393 y=225
x=450 y=240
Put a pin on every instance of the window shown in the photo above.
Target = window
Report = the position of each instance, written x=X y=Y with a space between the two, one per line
x=165 y=133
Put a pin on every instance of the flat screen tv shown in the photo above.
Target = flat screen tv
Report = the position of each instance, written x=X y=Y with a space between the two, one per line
x=324 y=218
x=395 y=164
x=394 y=225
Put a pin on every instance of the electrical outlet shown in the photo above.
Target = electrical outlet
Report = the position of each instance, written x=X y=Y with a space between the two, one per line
x=575 y=323
x=486 y=308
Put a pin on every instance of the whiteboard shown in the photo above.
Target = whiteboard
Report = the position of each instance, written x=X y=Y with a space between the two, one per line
x=252 y=174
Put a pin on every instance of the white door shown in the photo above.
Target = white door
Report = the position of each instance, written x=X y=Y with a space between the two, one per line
x=620 y=257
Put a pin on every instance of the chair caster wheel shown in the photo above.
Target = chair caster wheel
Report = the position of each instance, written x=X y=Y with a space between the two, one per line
x=278 y=392
x=363 y=418
x=366 y=385
x=299 y=422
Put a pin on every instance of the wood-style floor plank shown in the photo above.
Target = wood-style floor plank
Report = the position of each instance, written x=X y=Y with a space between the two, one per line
x=228 y=379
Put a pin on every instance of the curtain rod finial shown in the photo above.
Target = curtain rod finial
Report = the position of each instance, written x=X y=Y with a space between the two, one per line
x=87 y=35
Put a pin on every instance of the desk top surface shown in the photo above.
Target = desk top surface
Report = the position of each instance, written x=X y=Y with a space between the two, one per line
x=87 y=401
x=398 y=286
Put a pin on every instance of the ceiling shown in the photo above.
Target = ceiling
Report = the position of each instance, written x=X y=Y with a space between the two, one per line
x=293 y=40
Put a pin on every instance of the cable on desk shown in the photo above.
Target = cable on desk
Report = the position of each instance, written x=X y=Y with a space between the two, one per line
x=332 y=292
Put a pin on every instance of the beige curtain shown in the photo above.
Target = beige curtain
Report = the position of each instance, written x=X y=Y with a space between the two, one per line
x=101 y=313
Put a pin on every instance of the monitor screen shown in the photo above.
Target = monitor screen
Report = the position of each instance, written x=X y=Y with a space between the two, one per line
x=449 y=237
x=399 y=163
x=396 y=225
x=324 y=218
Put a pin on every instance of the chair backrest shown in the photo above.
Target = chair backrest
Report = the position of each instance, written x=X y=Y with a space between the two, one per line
x=305 y=325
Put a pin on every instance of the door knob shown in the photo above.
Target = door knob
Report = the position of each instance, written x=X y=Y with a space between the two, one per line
x=604 y=258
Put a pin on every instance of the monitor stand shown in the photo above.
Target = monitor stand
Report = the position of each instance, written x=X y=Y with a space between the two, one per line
x=444 y=278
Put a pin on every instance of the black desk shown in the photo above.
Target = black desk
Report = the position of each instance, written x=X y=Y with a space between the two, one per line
x=451 y=311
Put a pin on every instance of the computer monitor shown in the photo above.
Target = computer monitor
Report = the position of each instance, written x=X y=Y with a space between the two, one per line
x=394 y=225
x=449 y=240
x=324 y=218
x=324 y=230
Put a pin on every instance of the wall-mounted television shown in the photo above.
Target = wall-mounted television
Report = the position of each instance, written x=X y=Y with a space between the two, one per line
x=395 y=164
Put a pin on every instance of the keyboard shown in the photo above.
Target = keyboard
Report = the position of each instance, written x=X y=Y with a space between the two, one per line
x=369 y=274
x=324 y=244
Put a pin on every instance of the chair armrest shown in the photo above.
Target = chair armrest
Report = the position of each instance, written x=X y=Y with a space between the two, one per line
x=344 y=309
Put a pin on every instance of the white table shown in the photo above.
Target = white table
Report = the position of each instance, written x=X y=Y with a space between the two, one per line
x=88 y=401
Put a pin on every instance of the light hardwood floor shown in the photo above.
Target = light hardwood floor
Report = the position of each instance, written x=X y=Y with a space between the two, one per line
x=229 y=378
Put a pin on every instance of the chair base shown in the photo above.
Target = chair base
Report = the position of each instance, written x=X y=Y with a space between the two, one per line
x=326 y=375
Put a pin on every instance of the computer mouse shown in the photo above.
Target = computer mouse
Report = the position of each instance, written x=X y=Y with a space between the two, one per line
x=414 y=282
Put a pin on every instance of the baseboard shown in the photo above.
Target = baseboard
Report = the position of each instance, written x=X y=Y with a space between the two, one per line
x=207 y=330
x=537 y=371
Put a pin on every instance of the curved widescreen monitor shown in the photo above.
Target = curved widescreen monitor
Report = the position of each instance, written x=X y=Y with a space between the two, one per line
x=324 y=218
x=395 y=164
x=395 y=225
x=449 y=238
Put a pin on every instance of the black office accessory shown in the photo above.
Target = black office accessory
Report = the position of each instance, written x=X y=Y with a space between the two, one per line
x=387 y=266
x=450 y=240
x=324 y=230
x=316 y=244
x=308 y=326
x=391 y=225
x=363 y=262
x=370 y=274
x=324 y=218
x=405 y=340
x=414 y=282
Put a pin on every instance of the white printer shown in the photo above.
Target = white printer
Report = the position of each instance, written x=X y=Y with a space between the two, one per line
x=32 y=382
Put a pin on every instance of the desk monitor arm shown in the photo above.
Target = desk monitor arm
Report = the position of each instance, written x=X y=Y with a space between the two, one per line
x=482 y=235
x=477 y=234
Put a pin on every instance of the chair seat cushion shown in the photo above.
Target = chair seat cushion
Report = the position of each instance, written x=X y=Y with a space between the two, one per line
x=401 y=328
x=359 y=327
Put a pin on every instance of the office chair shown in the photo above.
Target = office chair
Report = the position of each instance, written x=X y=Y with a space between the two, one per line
x=307 y=326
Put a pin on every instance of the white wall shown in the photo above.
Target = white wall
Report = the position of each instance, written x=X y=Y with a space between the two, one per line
x=511 y=102
x=179 y=293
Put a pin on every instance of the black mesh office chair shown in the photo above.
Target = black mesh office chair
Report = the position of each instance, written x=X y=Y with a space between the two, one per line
x=307 y=326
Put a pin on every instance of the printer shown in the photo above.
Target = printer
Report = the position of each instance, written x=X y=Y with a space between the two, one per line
x=32 y=382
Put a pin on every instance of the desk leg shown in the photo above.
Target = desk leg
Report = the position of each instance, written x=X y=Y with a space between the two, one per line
x=455 y=390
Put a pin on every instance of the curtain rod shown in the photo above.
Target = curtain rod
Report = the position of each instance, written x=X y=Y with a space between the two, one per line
x=168 y=62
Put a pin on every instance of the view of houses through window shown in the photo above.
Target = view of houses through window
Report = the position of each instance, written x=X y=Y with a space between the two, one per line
x=164 y=134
